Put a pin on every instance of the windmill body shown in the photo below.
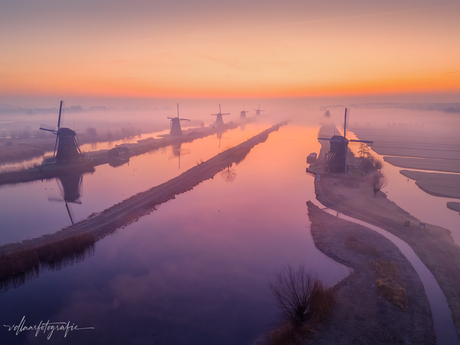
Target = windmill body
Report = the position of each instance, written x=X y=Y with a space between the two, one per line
x=258 y=111
x=336 y=158
x=175 y=126
x=176 y=129
x=67 y=149
x=243 y=113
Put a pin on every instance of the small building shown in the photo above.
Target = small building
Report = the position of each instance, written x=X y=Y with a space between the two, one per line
x=312 y=157
x=118 y=151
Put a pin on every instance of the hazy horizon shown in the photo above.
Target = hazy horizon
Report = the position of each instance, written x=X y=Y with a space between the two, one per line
x=133 y=52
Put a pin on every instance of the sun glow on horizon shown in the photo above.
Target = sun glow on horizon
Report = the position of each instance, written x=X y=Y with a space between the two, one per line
x=294 y=51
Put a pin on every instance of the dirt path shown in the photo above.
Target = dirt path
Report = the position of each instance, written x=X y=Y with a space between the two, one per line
x=433 y=245
x=362 y=315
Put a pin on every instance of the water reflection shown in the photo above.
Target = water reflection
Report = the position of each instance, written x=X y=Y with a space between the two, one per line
x=70 y=186
x=178 y=151
x=196 y=270
x=229 y=174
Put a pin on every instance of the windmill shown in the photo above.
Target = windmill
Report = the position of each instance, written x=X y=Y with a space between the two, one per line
x=243 y=113
x=175 y=124
x=70 y=186
x=258 y=110
x=219 y=120
x=66 y=147
x=336 y=158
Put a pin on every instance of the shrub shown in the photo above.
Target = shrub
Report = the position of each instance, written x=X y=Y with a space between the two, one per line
x=293 y=291
x=300 y=296
x=377 y=181
x=304 y=303
x=287 y=334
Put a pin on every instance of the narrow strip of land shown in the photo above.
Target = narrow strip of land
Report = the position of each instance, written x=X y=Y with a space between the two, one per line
x=131 y=209
x=95 y=158
x=432 y=244
x=383 y=299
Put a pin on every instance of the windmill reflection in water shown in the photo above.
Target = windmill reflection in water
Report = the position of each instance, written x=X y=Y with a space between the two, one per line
x=70 y=187
x=178 y=151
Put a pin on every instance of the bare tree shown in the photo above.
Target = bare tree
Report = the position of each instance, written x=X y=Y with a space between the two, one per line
x=364 y=150
x=378 y=181
x=293 y=291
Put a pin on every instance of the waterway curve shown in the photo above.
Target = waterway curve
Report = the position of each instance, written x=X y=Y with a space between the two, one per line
x=442 y=319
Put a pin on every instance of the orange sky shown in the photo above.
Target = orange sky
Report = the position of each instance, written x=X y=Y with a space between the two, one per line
x=229 y=49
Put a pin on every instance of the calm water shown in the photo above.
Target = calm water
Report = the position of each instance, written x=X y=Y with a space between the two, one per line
x=432 y=126
x=196 y=270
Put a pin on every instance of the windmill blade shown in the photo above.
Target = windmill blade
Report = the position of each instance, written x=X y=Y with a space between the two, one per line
x=61 y=187
x=48 y=130
x=345 y=124
x=75 y=140
x=185 y=119
x=55 y=145
x=59 y=118
x=329 y=139
x=172 y=118
x=361 y=141
x=177 y=109
x=220 y=111
x=55 y=199
x=70 y=213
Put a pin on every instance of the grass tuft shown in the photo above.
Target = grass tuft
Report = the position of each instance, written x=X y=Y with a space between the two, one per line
x=359 y=246
x=19 y=266
x=389 y=284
